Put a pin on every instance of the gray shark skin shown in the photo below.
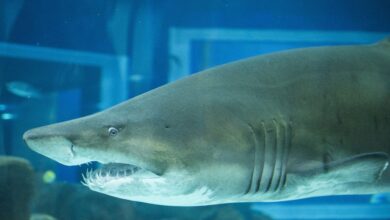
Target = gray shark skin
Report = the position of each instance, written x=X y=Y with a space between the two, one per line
x=283 y=126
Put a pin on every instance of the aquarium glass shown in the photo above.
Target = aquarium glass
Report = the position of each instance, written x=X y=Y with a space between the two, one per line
x=61 y=60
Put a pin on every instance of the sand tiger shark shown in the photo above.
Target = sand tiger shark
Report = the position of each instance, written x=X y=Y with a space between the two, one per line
x=282 y=126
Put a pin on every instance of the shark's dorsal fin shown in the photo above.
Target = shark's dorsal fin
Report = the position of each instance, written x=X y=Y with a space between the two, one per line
x=363 y=168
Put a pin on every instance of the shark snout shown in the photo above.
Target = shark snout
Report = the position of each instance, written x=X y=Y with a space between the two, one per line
x=53 y=145
x=30 y=135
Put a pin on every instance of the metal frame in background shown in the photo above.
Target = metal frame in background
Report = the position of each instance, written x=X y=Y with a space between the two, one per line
x=180 y=40
x=114 y=69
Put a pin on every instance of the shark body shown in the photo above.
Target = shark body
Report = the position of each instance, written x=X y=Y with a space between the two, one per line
x=283 y=126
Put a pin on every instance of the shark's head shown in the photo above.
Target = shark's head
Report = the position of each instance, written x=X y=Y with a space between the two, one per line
x=155 y=148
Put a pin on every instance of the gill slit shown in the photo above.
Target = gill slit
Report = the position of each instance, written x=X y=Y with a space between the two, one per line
x=257 y=170
x=272 y=143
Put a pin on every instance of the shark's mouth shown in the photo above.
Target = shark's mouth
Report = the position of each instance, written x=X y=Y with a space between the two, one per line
x=114 y=172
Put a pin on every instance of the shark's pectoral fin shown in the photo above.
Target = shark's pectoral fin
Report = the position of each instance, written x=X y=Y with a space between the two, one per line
x=340 y=176
x=367 y=167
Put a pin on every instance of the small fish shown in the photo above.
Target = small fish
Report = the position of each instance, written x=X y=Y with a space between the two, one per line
x=23 y=89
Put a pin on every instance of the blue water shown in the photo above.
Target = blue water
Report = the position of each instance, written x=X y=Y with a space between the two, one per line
x=82 y=56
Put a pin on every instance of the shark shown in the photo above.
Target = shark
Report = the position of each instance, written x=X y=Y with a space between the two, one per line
x=282 y=126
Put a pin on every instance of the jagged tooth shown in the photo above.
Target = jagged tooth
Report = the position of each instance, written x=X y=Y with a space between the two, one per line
x=99 y=175
x=94 y=175
x=84 y=181
x=100 y=181
x=87 y=174
x=91 y=182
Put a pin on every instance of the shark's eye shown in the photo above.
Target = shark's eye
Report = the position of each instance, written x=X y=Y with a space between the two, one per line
x=112 y=131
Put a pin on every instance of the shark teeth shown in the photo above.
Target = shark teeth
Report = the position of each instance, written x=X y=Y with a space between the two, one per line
x=107 y=173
